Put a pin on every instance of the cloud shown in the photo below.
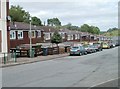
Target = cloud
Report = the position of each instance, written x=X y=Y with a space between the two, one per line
x=102 y=13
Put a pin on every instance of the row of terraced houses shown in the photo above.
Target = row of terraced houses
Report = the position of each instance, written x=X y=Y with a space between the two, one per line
x=13 y=34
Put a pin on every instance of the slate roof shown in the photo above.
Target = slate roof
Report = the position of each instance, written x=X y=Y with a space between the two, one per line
x=26 y=26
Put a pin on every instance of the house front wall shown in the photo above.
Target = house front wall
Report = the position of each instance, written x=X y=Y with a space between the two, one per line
x=0 y=40
x=76 y=38
x=4 y=26
x=0 y=26
x=25 y=40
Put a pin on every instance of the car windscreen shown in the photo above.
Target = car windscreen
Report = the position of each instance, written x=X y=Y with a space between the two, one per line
x=85 y=46
x=75 y=47
x=91 y=46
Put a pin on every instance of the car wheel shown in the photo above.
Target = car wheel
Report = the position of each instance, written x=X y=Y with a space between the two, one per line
x=95 y=51
x=80 y=54
x=85 y=53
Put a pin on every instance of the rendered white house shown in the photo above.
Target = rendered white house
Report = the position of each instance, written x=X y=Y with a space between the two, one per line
x=3 y=26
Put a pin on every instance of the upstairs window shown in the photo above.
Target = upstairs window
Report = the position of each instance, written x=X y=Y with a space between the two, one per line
x=47 y=36
x=71 y=37
x=12 y=35
x=20 y=34
x=38 y=33
x=68 y=38
x=33 y=34
x=76 y=36
x=63 y=35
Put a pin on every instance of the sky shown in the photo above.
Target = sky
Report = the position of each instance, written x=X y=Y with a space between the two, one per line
x=100 y=13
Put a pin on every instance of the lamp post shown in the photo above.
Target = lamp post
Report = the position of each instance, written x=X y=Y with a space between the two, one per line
x=30 y=39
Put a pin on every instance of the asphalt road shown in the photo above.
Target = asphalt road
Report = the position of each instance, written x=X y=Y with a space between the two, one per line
x=71 y=71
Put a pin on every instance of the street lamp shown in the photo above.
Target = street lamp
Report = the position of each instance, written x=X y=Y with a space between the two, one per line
x=30 y=39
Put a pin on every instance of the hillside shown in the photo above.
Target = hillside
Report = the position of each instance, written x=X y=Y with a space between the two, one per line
x=112 y=33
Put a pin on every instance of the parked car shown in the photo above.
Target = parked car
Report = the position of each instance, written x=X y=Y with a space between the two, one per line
x=111 y=45
x=93 y=49
x=78 y=50
x=105 y=46
x=98 y=46
x=90 y=48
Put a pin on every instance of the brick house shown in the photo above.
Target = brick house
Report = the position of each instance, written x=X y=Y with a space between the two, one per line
x=19 y=34
x=49 y=31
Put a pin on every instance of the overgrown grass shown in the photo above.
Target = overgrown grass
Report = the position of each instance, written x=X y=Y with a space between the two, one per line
x=113 y=33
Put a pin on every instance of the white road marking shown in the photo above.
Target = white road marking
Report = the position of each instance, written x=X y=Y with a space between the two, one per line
x=103 y=82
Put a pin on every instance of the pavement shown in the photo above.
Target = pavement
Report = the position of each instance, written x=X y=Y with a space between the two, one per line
x=26 y=60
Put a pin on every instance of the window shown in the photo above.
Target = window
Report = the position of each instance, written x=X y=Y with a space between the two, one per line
x=52 y=34
x=33 y=34
x=63 y=35
x=20 y=34
x=76 y=36
x=47 y=36
x=71 y=37
x=38 y=33
x=12 y=35
x=68 y=38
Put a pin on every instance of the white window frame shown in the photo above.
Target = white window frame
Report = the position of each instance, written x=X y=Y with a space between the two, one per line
x=52 y=34
x=38 y=33
x=63 y=35
x=20 y=33
x=71 y=36
x=47 y=36
x=76 y=36
x=68 y=37
x=13 y=33
x=32 y=34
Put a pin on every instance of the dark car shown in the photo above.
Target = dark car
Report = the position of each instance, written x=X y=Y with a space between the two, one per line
x=98 y=46
x=78 y=50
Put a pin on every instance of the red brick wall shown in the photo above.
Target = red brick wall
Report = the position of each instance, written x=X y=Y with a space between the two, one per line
x=26 y=40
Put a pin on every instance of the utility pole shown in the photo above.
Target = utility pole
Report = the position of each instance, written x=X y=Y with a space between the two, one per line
x=30 y=39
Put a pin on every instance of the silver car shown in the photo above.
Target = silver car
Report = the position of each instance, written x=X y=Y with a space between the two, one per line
x=78 y=50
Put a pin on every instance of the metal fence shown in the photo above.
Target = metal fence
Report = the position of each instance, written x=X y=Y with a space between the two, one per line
x=8 y=57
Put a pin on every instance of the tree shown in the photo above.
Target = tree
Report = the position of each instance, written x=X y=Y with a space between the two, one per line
x=54 y=22
x=56 y=38
x=85 y=28
x=71 y=27
x=95 y=30
x=112 y=29
x=36 y=21
x=90 y=29
x=18 y=14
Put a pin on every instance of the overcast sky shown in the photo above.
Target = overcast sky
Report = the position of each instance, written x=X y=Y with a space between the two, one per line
x=101 y=13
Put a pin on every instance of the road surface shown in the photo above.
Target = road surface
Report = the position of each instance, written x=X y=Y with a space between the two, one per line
x=71 y=71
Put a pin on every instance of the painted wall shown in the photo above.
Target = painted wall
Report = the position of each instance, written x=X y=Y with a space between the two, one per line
x=0 y=26
x=4 y=26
